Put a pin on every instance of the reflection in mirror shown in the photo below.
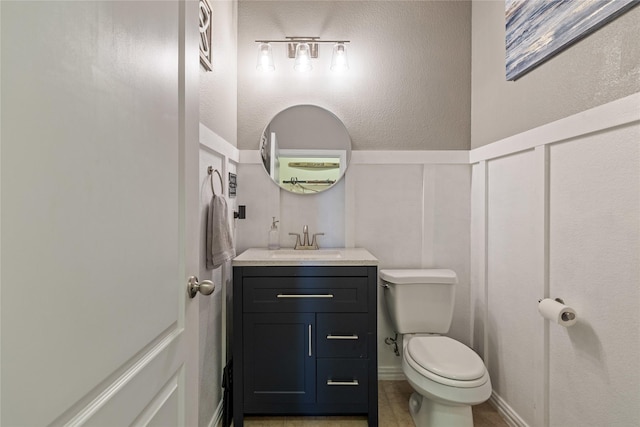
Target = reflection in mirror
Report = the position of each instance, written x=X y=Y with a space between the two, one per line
x=305 y=149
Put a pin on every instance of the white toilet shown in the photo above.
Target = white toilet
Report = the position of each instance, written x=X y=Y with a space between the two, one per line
x=447 y=376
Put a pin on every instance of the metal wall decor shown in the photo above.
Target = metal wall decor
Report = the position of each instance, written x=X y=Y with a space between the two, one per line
x=233 y=184
x=206 y=17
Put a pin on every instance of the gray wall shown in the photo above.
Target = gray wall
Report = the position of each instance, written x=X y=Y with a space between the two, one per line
x=409 y=83
x=218 y=88
x=601 y=68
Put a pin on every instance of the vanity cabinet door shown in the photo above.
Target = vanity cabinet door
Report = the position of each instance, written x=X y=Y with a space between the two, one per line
x=279 y=359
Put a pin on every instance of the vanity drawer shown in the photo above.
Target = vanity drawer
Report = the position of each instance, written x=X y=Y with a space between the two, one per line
x=342 y=335
x=304 y=294
x=342 y=381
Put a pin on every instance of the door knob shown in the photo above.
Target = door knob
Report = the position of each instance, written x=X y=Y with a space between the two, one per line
x=206 y=287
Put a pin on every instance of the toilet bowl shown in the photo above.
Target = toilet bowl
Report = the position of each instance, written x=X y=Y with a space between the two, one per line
x=447 y=376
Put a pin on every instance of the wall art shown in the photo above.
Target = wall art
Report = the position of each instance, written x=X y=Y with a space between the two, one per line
x=536 y=30
x=205 y=27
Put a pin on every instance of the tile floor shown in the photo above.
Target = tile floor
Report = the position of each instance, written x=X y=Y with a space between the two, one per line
x=393 y=407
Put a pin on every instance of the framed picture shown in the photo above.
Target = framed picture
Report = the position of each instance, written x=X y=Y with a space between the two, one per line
x=206 y=24
x=233 y=184
x=536 y=30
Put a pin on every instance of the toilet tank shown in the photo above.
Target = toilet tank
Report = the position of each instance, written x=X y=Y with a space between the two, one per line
x=420 y=301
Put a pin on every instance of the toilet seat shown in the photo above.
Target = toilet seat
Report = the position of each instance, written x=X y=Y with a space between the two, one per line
x=445 y=361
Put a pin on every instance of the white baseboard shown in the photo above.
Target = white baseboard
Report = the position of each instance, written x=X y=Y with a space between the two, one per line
x=217 y=416
x=390 y=373
x=510 y=416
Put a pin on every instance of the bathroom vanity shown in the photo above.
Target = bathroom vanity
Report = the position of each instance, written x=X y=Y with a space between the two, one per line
x=304 y=333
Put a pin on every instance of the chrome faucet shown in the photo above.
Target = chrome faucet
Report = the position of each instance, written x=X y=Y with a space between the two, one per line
x=305 y=245
x=305 y=234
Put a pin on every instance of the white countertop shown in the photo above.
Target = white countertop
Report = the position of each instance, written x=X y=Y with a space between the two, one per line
x=290 y=257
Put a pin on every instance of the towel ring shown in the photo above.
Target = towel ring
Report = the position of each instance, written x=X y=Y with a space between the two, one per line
x=210 y=171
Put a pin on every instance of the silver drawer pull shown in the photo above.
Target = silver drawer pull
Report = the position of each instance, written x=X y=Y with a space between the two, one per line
x=342 y=337
x=305 y=295
x=331 y=382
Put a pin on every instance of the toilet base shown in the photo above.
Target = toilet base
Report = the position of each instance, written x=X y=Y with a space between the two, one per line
x=427 y=413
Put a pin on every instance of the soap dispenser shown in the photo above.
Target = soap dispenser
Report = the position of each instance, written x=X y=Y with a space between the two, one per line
x=274 y=235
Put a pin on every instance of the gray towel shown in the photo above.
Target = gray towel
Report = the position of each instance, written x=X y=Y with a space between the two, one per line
x=219 y=238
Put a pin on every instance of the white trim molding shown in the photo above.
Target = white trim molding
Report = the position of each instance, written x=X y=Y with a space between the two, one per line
x=217 y=415
x=620 y=112
x=390 y=373
x=367 y=157
x=214 y=142
x=410 y=157
x=541 y=283
x=510 y=416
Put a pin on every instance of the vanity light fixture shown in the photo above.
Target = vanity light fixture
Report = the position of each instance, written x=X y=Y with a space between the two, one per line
x=302 y=49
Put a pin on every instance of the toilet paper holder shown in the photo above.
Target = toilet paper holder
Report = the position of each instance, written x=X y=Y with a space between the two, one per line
x=565 y=316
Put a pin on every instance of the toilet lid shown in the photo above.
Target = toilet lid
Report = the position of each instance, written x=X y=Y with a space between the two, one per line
x=413 y=276
x=446 y=357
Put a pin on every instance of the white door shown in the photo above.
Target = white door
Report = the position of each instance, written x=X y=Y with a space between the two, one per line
x=99 y=199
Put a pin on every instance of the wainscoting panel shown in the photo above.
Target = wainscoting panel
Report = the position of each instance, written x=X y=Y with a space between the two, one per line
x=512 y=296
x=222 y=156
x=556 y=214
x=595 y=268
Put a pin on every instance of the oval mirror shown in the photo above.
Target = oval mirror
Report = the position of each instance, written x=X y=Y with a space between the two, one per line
x=305 y=149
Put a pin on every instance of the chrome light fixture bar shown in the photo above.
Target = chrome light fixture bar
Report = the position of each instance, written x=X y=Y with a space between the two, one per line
x=302 y=49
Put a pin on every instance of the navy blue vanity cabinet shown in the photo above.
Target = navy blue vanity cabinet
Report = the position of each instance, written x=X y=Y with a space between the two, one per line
x=304 y=341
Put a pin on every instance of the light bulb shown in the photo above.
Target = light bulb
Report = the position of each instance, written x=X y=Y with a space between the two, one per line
x=303 y=58
x=339 y=59
x=265 y=58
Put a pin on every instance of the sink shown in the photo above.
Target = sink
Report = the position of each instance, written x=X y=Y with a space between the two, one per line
x=319 y=254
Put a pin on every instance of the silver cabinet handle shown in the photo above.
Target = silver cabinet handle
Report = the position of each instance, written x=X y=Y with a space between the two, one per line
x=309 y=339
x=206 y=287
x=305 y=295
x=331 y=382
x=342 y=337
